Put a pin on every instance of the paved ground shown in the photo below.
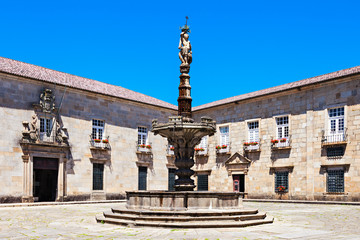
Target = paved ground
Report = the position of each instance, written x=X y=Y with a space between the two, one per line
x=292 y=221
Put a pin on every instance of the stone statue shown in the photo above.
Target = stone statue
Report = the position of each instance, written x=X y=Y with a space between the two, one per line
x=185 y=53
x=33 y=128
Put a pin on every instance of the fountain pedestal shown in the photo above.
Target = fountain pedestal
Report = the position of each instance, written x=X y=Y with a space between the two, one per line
x=184 y=136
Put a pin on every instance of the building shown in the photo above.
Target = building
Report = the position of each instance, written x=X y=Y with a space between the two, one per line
x=70 y=138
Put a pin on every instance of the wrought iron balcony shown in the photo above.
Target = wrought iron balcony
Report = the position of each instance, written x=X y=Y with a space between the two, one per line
x=252 y=146
x=281 y=143
x=143 y=148
x=334 y=139
x=100 y=143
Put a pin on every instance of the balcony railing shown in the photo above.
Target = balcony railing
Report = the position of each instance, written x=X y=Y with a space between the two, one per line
x=144 y=148
x=333 y=139
x=281 y=143
x=223 y=149
x=46 y=137
x=252 y=146
x=100 y=143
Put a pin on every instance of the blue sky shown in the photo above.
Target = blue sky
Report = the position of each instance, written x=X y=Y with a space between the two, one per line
x=238 y=46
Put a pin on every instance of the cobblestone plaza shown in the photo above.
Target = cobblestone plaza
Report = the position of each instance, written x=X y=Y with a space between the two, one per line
x=292 y=221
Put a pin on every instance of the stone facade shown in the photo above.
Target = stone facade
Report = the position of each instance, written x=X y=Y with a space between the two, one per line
x=305 y=158
x=121 y=117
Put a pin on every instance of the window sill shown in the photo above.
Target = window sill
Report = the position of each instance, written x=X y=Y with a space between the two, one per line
x=143 y=152
x=280 y=148
x=223 y=153
x=252 y=150
x=336 y=193
x=326 y=144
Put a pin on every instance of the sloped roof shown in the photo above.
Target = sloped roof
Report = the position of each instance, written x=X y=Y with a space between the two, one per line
x=51 y=76
x=284 y=87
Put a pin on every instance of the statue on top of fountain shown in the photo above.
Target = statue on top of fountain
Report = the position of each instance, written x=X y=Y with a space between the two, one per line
x=185 y=53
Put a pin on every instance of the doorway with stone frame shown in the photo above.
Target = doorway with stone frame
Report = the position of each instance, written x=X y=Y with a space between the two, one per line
x=238 y=182
x=45 y=176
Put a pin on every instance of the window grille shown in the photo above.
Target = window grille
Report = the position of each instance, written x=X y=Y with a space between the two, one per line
x=97 y=129
x=333 y=152
x=98 y=176
x=202 y=184
x=281 y=179
x=335 y=181
x=282 y=127
x=171 y=181
x=142 y=135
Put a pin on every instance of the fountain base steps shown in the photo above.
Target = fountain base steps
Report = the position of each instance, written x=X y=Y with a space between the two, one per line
x=185 y=219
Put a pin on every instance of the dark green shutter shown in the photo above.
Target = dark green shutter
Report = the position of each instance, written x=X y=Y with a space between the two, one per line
x=171 y=182
x=202 y=183
x=98 y=176
x=142 y=178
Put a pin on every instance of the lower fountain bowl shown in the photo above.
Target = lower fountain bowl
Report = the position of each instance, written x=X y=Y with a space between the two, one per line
x=183 y=200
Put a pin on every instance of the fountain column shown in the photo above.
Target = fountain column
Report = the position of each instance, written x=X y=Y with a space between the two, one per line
x=181 y=131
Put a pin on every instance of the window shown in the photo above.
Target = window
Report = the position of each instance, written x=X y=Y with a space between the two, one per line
x=335 y=152
x=45 y=128
x=224 y=136
x=171 y=181
x=203 y=145
x=282 y=125
x=45 y=125
x=142 y=178
x=202 y=182
x=97 y=129
x=142 y=135
x=253 y=128
x=281 y=180
x=335 y=181
x=203 y=142
x=336 y=121
x=98 y=176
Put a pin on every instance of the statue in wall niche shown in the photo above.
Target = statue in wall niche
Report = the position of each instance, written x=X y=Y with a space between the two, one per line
x=60 y=135
x=47 y=101
x=33 y=128
x=185 y=53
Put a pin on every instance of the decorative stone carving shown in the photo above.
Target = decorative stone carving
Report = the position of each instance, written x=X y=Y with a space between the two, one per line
x=60 y=135
x=30 y=132
x=237 y=163
x=47 y=101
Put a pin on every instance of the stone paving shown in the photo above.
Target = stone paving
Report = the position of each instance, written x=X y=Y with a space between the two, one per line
x=292 y=221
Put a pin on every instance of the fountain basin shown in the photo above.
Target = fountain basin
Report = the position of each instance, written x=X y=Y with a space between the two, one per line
x=183 y=200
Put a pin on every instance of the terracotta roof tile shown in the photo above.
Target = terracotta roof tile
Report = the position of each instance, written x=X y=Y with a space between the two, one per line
x=47 y=75
x=284 y=87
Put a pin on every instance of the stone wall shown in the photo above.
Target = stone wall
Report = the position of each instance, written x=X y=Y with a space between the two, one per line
x=307 y=111
x=122 y=117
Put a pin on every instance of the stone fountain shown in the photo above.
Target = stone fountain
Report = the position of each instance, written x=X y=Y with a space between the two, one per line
x=184 y=207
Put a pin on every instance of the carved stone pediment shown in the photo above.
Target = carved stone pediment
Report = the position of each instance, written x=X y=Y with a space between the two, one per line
x=237 y=163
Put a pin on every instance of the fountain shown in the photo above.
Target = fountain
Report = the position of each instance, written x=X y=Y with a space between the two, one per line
x=184 y=207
